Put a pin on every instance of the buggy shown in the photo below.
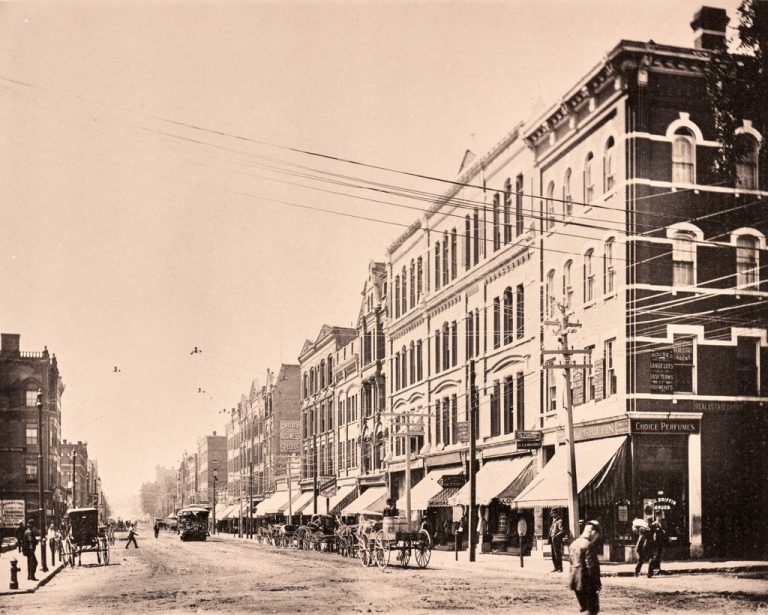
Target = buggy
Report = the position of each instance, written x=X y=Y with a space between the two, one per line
x=85 y=535
x=399 y=535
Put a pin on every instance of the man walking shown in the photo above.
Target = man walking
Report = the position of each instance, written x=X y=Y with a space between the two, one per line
x=29 y=544
x=132 y=533
x=585 y=569
x=556 y=536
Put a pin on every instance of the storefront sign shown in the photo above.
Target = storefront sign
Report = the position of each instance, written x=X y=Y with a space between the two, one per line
x=601 y=430
x=664 y=504
x=462 y=431
x=12 y=449
x=662 y=426
x=662 y=371
x=329 y=484
x=11 y=512
x=452 y=480
x=623 y=511
x=528 y=439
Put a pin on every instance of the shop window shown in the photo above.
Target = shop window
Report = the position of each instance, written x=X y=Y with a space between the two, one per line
x=684 y=355
x=746 y=166
x=610 y=368
x=683 y=258
x=746 y=261
x=747 y=361
x=567 y=197
x=683 y=157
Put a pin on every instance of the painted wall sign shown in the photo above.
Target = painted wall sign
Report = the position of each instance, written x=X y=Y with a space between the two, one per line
x=462 y=431
x=11 y=512
x=601 y=430
x=578 y=387
x=662 y=371
x=664 y=426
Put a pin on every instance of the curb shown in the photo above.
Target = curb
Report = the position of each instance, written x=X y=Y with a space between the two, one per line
x=13 y=592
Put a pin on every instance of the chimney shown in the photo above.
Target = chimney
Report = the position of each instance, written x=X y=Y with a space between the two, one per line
x=214 y=433
x=9 y=344
x=709 y=26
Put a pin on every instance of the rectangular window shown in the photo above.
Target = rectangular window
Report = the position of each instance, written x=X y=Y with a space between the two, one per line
x=454 y=343
x=610 y=368
x=330 y=414
x=419 y=371
x=477 y=333
x=470 y=341
x=496 y=228
x=438 y=424
x=419 y=278
x=747 y=362
x=683 y=259
x=520 y=381
x=519 y=218
x=437 y=351
x=30 y=468
x=446 y=420
x=496 y=323
x=509 y=405
x=454 y=419
x=520 y=300
x=589 y=378
x=467 y=243
x=446 y=271
x=496 y=409
x=476 y=238
x=454 y=256
x=31 y=431
x=589 y=278
x=30 y=399
x=437 y=265
x=507 y=211
x=684 y=355
x=551 y=389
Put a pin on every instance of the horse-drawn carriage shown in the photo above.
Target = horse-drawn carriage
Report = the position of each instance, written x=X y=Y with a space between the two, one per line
x=85 y=535
x=319 y=534
x=405 y=537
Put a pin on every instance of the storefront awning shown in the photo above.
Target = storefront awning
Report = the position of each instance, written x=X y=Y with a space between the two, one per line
x=427 y=488
x=301 y=502
x=233 y=512
x=366 y=499
x=441 y=498
x=273 y=504
x=493 y=478
x=344 y=496
x=594 y=461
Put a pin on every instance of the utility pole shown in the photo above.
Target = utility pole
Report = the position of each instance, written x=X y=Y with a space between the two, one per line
x=74 y=476
x=472 y=519
x=41 y=492
x=564 y=328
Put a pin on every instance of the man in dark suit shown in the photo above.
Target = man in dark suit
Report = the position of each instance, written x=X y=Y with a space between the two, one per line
x=556 y=536
x=28 y=549
x=585 y=568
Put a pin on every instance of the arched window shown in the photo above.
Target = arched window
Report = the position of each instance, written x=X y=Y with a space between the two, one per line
x=608 y=171
x=509 y=316
x=404 y=281
x=413 y=284
x=412 y=363
x=330 y=370
x=683 y=258
x=404 y=366
x=454 y=255
x=747 y=257
x=567 y=287
x=567 y=198
x=589 y=186
x=746 y=166
x=397 y=371
x=550 y=293
x=551 y=205
x=397 y=296
x=446 y=346
x=589 y=276
x=446 y=271
x=683 y=157
x=496 y=322
x=609 y=268
x=322 y=374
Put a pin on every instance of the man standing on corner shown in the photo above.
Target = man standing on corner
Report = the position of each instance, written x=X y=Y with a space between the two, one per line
x=585 y=568
x=556 y=536
x=29 y=544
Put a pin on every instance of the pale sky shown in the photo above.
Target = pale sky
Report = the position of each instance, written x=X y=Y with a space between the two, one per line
x=128 y=238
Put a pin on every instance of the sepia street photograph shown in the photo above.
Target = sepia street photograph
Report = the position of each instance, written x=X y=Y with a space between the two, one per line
x=383 y=306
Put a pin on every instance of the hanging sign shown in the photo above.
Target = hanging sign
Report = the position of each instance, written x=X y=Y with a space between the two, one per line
x=452 y=480
x=528 y=439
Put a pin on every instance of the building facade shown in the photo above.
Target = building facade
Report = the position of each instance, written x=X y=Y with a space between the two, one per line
x=212 y=466
x=75 y=475
x=22 y=374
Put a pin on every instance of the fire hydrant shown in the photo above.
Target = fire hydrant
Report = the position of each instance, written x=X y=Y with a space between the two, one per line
x=14 y=577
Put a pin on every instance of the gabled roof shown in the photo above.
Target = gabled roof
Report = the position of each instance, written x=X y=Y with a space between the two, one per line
x=341 y=335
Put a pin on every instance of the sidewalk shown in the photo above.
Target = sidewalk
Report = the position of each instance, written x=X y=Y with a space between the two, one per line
x=25 y=586
x=538 y=566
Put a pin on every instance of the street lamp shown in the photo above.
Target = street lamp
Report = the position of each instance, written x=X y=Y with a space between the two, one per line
x=40 y=492
x=215 y=480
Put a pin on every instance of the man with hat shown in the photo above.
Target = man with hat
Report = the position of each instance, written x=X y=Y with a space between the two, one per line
x=29 y=545
x=556 y=536
x=585 y=568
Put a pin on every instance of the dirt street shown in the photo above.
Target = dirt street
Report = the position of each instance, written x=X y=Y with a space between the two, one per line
x=229 y=576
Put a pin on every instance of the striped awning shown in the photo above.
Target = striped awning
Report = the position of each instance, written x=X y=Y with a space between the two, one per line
x=272 y=505
x=494 y=478
x=367 y=499
x=301 y=502
x=344 y=496
x=428 y=487
x=440 y=500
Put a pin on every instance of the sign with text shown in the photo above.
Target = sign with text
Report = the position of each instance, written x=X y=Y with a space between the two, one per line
x=290 y=446
x=11 y=512
x=666 y=426
x=662 y=371
x=577 y=381
x=598 y=380
x=328 y=488
x=528 y=439
x=600 y=430
x=462 y=431
x=290 y=436
x=452 y=480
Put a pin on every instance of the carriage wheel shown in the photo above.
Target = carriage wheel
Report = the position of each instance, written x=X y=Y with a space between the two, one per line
x=381 y=551
x=342 y=546
x=423 y=548
x=364 y=551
